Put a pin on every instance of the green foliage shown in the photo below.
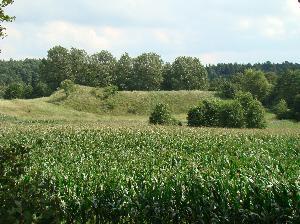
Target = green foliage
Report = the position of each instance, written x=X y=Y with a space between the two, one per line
x=153 y=175
x=254 y=112
x=288 y=86
x=188 y=73
x=229 y=90
x=4 y=17
x=109 y=91
x=14 y=91
x=296 y=108
x=217 y=113
x=56 y=68
x=281 y=110
x=148 y=69
x=102 y=69
x=124 y=72
x=254 y=82
x=232 y=115
x=161 y=115
x=244 y=111
x=68 y=87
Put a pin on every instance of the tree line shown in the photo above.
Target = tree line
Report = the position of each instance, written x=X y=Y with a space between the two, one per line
x=268 y=82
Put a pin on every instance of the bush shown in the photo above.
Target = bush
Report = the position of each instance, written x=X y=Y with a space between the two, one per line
x=281 y=110
x=67 y=86
x=255 y=115
x=254 y=111
x=206 y=114
x=109 y=91
x=162 y=115
x=242 y=112
x=232 y=115
x=14 y=91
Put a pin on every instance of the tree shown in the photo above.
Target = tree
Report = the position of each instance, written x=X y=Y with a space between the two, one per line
x=4 y=17
x=124 y=72
x=147 y=72
x=188 y=73
x=102 y=69
x=56 y=68
x=287 y=87
x=296 y=108
x=78 y=60
x=254 y=82
x=167 y=76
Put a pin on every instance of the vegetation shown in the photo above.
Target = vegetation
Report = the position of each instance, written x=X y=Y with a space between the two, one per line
x=53 y=174
x=4 y=17
x=244 y=111
x=162 y=115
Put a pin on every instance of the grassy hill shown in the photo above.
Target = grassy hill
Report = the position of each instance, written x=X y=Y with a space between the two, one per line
x=88 y=103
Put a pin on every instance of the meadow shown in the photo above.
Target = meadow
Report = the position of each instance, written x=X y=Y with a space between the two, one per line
x=83 y=167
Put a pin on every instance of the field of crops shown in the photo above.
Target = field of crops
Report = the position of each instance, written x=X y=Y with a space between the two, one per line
x=82 y=174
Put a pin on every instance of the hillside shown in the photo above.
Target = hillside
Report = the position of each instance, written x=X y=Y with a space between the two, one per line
x=88 y=103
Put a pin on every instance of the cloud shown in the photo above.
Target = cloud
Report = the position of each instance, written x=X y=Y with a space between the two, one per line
x=216 y=30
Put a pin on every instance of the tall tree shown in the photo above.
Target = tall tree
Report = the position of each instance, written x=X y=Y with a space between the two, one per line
x=56 y=68
x=102 y=69
x=124 y=72
x=78 y=60
x=188 y=73
x=148 y=69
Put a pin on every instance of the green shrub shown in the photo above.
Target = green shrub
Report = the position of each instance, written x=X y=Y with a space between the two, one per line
x=206 y=114
x=67 y=86
x=109 y=91
x=281 y=110
x=162 y=115
x=245 y=111
x=232 y=115
x=254 y=111
x=14 y=91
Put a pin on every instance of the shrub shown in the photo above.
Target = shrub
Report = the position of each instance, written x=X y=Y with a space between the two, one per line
x=14 y=91
x=281 y=110
x=161 y=115
x=255 y=115
x=68 y=86
x=242 y=112
x=206 y=114
x=109 y=91
x=254 y=111
x=232 y=115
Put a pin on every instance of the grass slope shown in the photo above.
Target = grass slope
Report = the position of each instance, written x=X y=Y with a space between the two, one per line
x=127 y=103
x=88 y=104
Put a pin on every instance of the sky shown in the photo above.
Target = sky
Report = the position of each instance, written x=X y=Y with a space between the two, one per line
x=215 y=31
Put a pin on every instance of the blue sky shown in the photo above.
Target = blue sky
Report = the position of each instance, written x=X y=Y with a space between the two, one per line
x=212 y=30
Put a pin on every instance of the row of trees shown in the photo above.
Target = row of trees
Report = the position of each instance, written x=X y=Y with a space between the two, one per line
x=145 y=72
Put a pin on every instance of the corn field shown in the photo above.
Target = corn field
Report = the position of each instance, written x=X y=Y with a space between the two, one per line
x=52 y=174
